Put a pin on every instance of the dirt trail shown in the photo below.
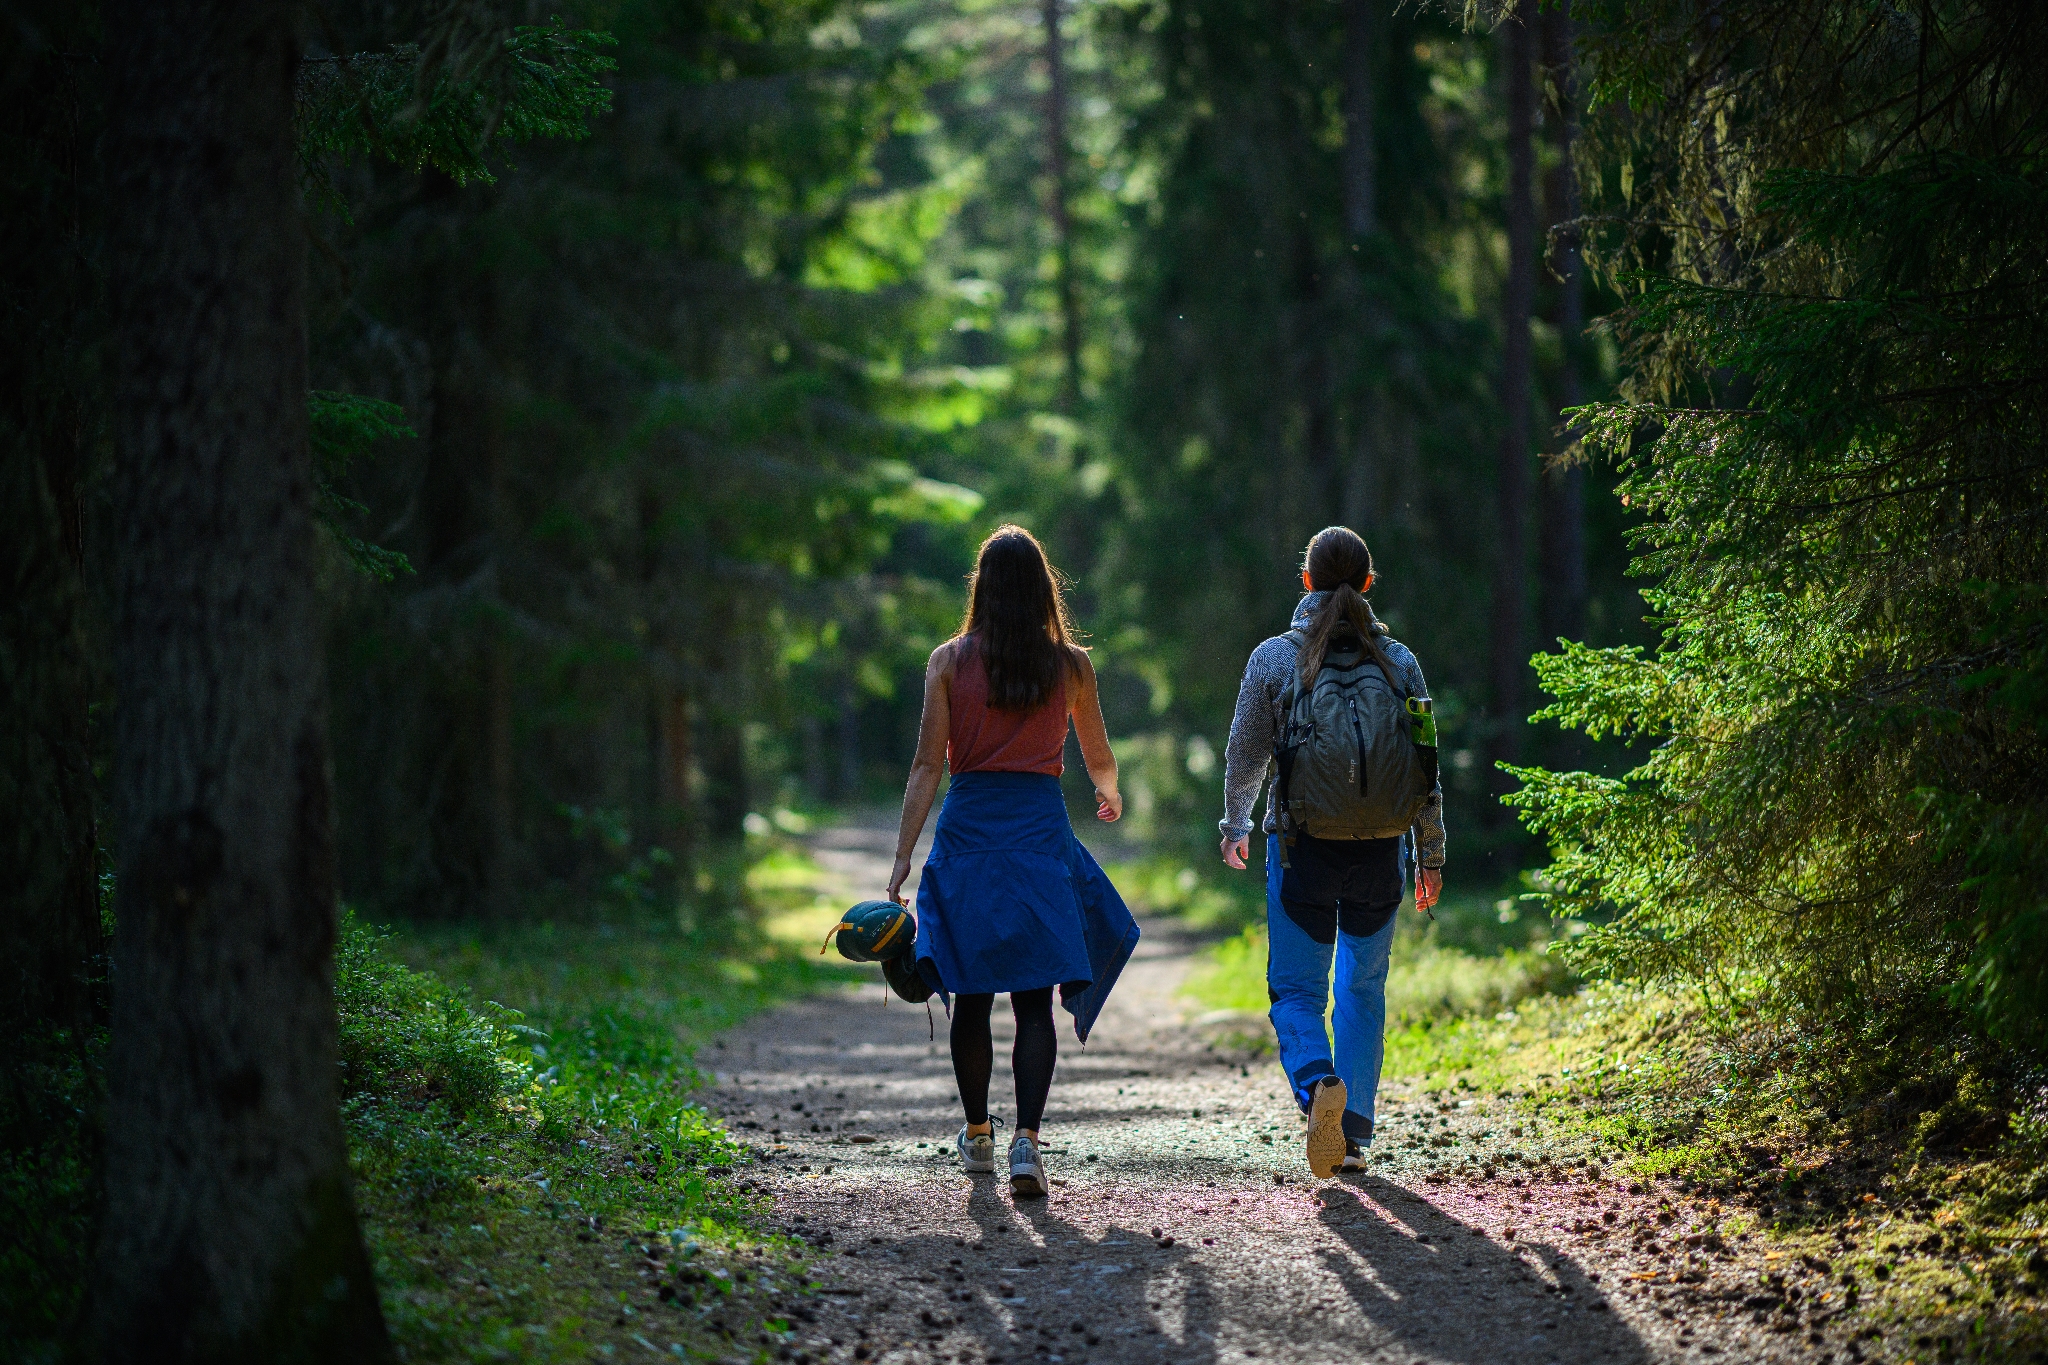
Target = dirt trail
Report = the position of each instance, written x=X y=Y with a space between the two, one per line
x=1183 y=1224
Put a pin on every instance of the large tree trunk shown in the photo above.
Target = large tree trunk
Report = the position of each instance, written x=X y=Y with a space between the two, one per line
x=50 y=938
x=1564 y=485
x=1062 y=222
x=229 y=1227
x=1511 y=567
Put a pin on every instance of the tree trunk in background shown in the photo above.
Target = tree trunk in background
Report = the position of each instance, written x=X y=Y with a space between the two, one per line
x=1062 y=223
x=725 y=774
x=1311 y=341
x=229 y=1231
x=1564 y=487
x=1360 y=168
x=849 y=739
x=1361 y=155
x=672 y=711
x=1511 y=563
x=501 y=841
x=464 y=746
x=811 y=732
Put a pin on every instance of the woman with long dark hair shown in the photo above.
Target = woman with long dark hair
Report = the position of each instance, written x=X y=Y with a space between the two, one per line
x=1009 y=900
x=1332 y=887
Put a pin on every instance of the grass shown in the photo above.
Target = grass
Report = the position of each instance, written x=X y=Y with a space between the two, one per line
x=1477 y=957
x=525 y=1145
x=533 y=1180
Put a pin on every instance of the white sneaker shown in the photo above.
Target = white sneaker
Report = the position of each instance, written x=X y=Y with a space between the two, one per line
x=977 y=1150
x=1027 y=1169
x=1326 y=1129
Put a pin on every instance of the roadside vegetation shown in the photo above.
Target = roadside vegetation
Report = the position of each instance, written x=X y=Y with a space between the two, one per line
x=534 y=1181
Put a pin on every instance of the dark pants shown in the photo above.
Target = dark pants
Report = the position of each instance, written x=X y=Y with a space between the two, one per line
x=1031 y=1059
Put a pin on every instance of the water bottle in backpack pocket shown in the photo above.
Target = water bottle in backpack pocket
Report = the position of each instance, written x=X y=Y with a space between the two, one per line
x=1350 y=757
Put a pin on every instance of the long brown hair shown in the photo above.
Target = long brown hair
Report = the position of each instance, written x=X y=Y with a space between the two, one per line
x=1338 y=563
x=1019 y=616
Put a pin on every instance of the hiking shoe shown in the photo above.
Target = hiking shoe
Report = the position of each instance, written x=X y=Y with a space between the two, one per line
x=1326 y=1128
x=1354 y=1157
x=1027 y=1169
x=977 y=1150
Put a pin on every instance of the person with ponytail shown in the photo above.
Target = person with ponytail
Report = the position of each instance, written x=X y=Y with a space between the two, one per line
x=1009 y=901
x=1328 y=897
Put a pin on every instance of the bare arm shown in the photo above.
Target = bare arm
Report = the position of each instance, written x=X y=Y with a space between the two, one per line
x=1086 y=709
x=929 y=765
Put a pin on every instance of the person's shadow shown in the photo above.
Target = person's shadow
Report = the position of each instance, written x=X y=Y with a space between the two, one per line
x=1419 y=1281
x=1429 y=1282
x=1110 y=1294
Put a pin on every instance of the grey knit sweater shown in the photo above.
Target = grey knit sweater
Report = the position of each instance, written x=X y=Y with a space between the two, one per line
x=1256 y=725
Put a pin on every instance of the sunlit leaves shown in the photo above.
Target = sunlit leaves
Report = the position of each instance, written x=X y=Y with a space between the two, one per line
x=1834 y=424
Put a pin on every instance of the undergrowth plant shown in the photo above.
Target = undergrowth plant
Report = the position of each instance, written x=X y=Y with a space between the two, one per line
x=1830 y=223
x=479 y=1139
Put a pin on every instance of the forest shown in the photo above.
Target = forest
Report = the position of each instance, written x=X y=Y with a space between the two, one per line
x=482 y=482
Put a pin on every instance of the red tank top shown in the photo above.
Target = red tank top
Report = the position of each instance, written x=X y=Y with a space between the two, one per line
x=983 y=739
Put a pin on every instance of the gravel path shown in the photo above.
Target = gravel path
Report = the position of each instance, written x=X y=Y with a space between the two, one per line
x=1184 y=1226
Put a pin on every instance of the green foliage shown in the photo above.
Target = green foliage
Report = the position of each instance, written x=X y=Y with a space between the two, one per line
x=484 y=1146
x=49 y=1148
x=428 y=1071
x=1833 y=425
x=408 y=1039
x=446 y=103
x=2003 y=843
x=343 y=428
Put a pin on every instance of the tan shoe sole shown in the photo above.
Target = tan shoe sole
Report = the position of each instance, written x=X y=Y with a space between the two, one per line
x=1326 y=1130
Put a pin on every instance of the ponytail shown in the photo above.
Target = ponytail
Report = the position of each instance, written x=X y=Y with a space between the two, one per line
x=1344 y=605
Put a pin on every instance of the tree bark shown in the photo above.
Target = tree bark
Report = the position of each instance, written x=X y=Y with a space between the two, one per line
x=229 y=1231
x=849 y=738
x=1564 y=485
x=1361 y=154
x=673 y=710
x=1062 y=221
x=501 y=843
x=726 y=796
x=1311 y=339
x=50 y=937
x=1511 y=568
x=465 y=744
x=50 y=400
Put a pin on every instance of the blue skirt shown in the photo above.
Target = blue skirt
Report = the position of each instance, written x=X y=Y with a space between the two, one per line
x=1010 y=900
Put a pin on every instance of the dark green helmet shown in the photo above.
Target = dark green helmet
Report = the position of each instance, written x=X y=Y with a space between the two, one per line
x=874 y=931
x=905 y=979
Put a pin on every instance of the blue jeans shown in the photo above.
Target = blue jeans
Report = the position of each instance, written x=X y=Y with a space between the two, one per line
x=1298 y=982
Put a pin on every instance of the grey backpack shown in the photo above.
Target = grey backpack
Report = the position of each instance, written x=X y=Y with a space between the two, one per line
x=1349 y=764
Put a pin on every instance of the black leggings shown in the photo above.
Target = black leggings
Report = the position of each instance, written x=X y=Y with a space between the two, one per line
x=1032 y=1059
